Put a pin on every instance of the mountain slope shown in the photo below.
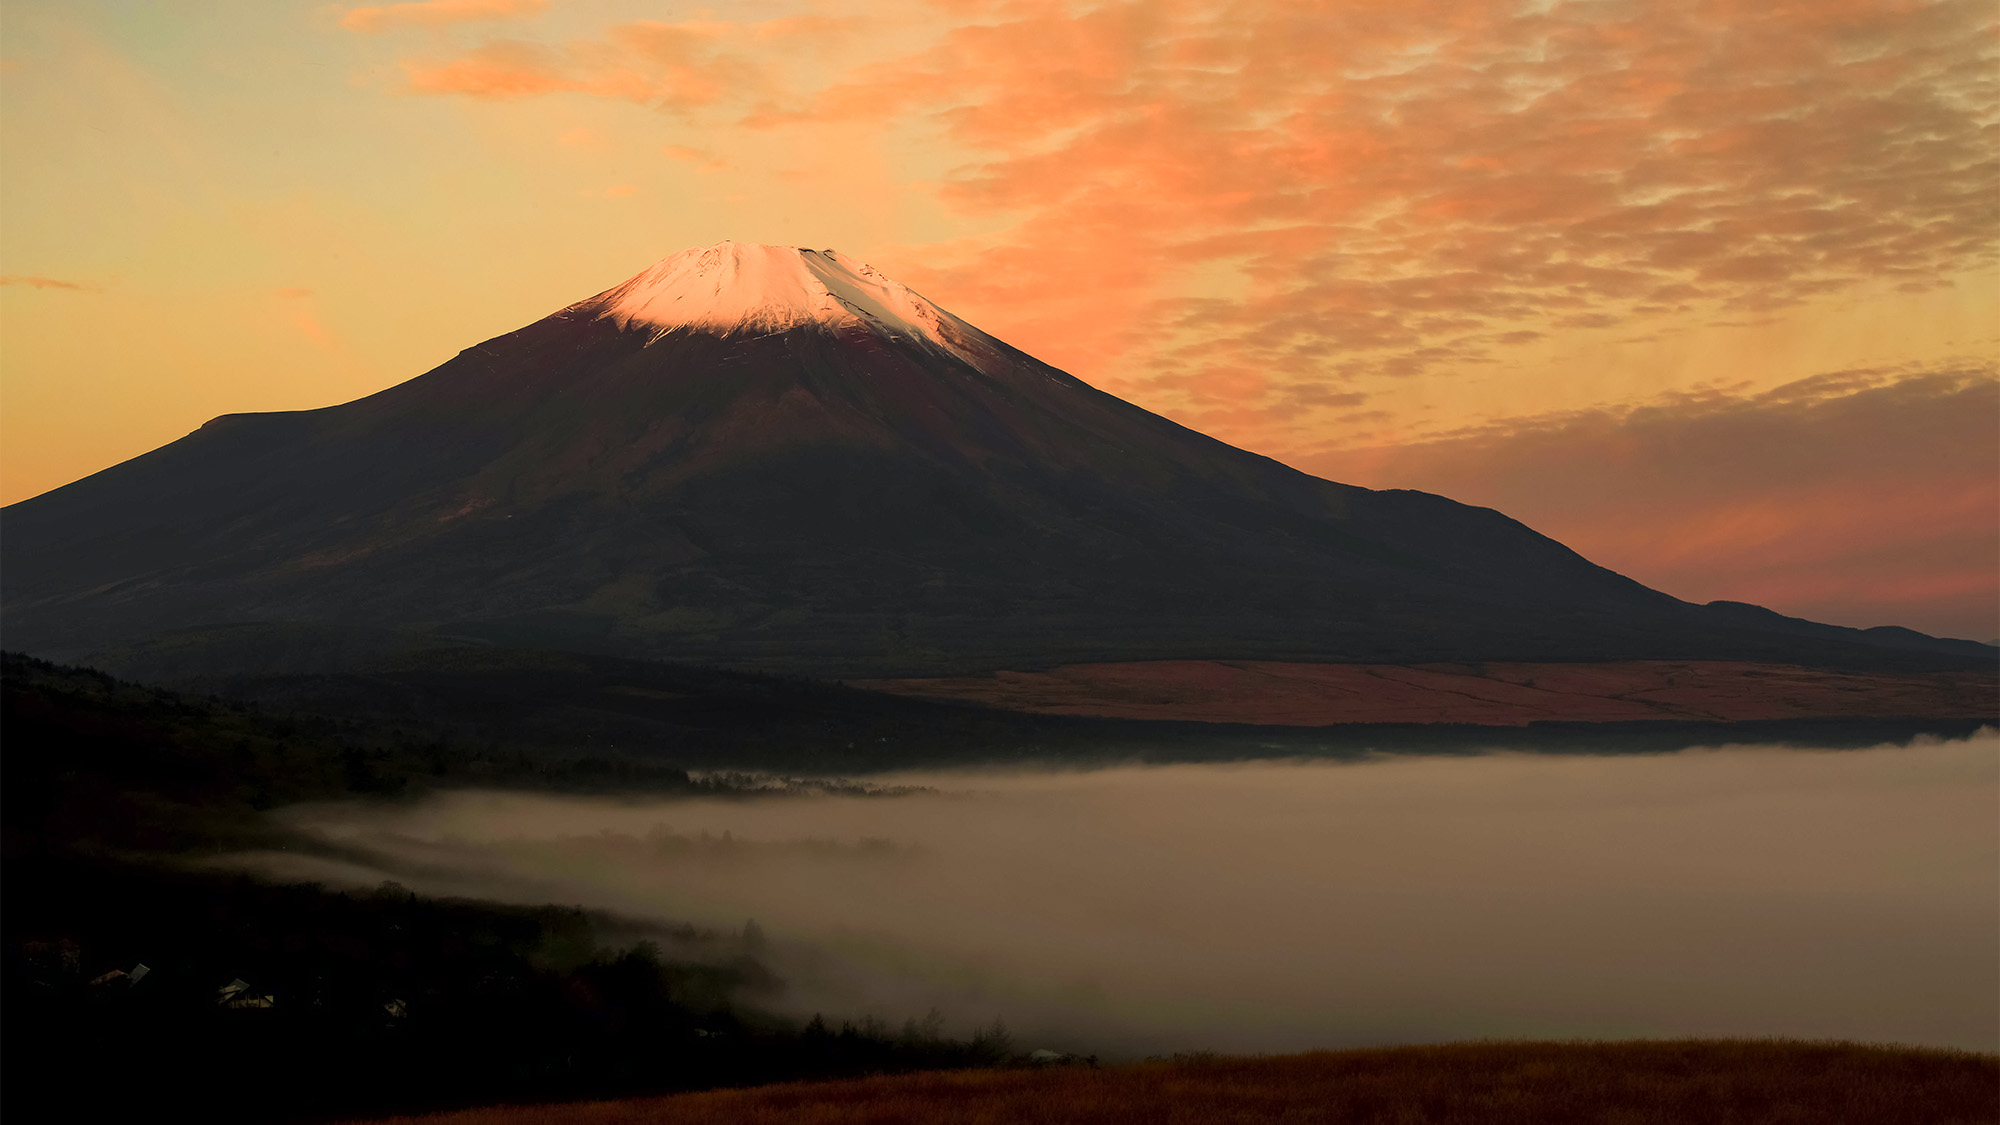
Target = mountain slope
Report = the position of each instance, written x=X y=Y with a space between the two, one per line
x=777 y=458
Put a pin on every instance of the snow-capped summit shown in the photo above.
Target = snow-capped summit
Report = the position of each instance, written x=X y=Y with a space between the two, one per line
x=749 y=286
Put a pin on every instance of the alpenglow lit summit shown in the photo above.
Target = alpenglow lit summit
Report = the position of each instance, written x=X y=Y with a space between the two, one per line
x=750 y=286
x=778 y=458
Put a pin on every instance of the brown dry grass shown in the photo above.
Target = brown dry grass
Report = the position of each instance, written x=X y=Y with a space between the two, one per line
x=1644 y=1083
x=1498 y=694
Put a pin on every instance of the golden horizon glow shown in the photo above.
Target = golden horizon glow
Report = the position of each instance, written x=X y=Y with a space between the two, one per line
x=1407 y=245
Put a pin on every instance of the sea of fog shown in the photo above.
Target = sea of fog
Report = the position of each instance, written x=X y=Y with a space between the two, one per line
x=1275 y=906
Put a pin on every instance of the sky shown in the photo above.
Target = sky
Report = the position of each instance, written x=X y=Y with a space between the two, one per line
x=1280 y=906
x=1706 y=289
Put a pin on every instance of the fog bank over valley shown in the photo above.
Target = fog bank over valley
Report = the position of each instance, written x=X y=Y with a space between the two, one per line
x=1742 y=891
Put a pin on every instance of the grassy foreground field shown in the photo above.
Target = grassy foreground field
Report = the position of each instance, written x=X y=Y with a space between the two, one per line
x=1643 y=1083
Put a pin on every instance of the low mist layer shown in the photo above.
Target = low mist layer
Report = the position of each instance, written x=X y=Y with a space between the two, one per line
x=1745 y=891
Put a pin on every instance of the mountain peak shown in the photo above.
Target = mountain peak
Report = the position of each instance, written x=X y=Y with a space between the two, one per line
x=775 y=457
x=752 y=287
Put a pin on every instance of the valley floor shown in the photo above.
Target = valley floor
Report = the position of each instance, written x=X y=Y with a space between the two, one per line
x=1639 y=1083
x=1310 y=695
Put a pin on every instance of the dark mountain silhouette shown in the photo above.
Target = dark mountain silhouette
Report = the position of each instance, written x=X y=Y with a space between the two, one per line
x=775 y=458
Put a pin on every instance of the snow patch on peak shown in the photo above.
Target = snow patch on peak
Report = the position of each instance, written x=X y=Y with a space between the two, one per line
x=748 y=286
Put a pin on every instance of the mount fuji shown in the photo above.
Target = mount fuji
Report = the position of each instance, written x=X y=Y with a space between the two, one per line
x=774 y=458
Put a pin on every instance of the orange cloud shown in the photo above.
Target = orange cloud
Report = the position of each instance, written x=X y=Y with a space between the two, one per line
x=497 y=70
x=434 y=13
x=1861 y=497
x=1388 y=187
x=1409 y=186
x=675 y=66
x=47 y=283
x=297 y=311
x=703 y=160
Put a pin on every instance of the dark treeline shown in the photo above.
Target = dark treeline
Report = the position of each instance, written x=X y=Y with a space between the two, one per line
x=261 y=1002
x=96 y=763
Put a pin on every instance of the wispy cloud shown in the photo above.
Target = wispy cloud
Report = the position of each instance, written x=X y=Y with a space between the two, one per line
x=297 y=308
x=1385 y=189
x=435 y=13
x=1866 y=497
x=702 y=159
x=49 y=283
x=673 y=66
x=1399 y=185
